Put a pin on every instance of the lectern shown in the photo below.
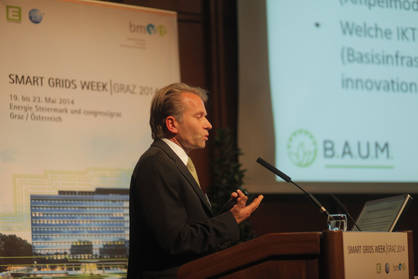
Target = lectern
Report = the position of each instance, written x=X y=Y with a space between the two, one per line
x=276 y=255
x=309 y=255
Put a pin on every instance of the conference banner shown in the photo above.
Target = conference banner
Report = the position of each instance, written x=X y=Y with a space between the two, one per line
x=76 y=82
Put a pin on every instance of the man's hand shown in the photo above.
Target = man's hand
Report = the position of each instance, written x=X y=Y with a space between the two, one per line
x=241 y=210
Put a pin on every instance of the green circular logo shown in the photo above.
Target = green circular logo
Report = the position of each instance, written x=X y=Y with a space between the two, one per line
x=302 y=148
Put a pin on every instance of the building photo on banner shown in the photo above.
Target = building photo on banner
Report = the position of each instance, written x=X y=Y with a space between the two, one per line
x=75 y=88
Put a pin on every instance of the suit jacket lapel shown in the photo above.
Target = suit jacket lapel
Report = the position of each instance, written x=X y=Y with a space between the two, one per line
x=185 y=172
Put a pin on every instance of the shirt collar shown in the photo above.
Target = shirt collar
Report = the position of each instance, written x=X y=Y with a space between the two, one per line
x=178 y=150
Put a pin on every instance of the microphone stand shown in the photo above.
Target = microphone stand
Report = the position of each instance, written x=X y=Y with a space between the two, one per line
x=289 y=180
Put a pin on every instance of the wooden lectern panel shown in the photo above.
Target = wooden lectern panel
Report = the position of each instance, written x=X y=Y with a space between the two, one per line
x=332 y=255
x=277 y=255
x=309 y=255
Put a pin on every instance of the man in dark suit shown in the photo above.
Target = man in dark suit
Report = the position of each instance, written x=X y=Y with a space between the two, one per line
x=171 y=221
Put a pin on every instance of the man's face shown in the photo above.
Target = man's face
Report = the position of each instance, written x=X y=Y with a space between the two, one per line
x=193 y=128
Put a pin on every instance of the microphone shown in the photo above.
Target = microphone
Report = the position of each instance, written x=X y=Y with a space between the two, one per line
x=289 y=180
x=342 y=206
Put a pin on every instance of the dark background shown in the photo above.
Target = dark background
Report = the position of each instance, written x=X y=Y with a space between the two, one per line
x=209 y=59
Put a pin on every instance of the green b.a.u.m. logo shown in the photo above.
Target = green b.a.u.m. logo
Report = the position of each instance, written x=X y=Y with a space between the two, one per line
x=302 y=148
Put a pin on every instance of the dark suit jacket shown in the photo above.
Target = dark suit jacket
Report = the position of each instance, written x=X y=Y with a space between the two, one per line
x=171 y=222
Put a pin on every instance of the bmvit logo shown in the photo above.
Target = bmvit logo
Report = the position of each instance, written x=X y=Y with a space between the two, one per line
x=149 y=29
x=302 y=148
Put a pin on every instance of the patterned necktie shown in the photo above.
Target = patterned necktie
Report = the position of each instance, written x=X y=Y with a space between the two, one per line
x=192 y=169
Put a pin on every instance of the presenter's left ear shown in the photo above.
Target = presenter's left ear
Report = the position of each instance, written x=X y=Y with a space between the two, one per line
x=171 y=124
